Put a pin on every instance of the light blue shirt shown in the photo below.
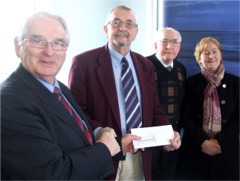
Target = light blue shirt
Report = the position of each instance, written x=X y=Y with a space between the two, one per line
x=47 y=85
x=116 y=58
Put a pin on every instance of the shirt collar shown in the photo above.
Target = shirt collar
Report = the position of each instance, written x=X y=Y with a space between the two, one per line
x=47 y=85
x=165 y=65
x=116 y=55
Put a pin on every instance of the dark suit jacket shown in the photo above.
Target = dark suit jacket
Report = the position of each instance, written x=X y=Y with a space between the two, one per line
x=92 y=83
x=39 y=138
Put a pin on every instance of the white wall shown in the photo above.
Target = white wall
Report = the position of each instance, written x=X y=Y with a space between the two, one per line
x=85 y=19
x=12 y=13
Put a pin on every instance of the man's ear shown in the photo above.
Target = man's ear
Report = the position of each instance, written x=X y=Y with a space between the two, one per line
x=105 y=28
x=17 y=47
x=155 y=45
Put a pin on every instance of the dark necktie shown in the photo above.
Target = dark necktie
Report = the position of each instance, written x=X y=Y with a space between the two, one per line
x=169 y=68
x=132 y=104
x=57 y=93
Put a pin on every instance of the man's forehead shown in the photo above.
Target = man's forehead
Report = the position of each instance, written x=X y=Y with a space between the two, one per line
x=118 y=13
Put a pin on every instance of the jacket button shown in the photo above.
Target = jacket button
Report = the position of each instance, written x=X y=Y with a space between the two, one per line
x=223 y=102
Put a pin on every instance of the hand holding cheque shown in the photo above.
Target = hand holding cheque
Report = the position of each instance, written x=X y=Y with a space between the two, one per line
x=157 y=136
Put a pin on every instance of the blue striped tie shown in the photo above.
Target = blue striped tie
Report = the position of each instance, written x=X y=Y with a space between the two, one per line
x=132 y=104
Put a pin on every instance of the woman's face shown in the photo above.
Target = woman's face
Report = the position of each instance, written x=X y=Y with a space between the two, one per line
x=211 y=57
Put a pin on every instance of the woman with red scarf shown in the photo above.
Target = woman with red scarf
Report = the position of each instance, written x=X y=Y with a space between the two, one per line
x=210 y=116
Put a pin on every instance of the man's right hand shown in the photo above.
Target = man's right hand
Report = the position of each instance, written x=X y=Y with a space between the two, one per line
x=109 y=140
x=127 y=142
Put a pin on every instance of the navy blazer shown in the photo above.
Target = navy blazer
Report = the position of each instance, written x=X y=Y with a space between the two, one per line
x=41 y=140
x=92 y=83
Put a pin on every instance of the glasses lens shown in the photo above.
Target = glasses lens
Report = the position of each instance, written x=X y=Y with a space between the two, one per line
x=116 y=23
x=129 y=25
x=41 y=43
x=175 y=42
x=165 y=42
x=58 y=45
x=37 y=42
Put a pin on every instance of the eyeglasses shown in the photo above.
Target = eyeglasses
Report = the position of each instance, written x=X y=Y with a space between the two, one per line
x=117 y=23
x=41 y=43
x=174 y=42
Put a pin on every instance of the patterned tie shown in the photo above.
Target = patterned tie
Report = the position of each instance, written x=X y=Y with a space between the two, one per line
x=57 y=93
x=132 y=104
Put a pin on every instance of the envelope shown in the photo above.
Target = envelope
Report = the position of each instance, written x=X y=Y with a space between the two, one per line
x=153 y=136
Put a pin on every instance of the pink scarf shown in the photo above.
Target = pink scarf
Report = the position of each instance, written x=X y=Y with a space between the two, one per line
x=211 y=106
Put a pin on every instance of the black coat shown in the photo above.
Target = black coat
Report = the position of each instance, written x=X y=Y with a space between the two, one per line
x=194 y=164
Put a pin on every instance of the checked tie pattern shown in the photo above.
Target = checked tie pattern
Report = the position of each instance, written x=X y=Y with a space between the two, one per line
x=58 y=94
x=132 y=104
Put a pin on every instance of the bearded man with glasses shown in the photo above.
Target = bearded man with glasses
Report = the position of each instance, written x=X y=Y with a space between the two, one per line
x=97 y=80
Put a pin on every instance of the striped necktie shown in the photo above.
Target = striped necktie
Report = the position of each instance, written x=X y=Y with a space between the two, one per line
x=132 y=104
x=58 y=94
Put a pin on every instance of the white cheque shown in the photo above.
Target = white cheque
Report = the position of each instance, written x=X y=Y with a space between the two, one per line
x=152 y=136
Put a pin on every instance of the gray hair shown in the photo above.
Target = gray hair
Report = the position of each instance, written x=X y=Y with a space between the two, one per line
x=118 y=7
x=23 y=30
x=167 y=29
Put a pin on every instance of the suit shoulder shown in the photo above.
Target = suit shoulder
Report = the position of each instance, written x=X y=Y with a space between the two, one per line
x=92 y=52
x=232 y=79
x=151 y=57
x=7 y=85
x=195 y=78
x=179 y=63
x=231 y=76
x=87 y=57
x=141 y=58
x=137 y=54
x=62 y=85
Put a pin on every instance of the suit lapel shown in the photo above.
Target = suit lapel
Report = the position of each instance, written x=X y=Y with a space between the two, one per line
x=51 y=102
x=106 y=77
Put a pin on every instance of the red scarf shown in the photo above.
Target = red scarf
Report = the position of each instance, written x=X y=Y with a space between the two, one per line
x=211 y=107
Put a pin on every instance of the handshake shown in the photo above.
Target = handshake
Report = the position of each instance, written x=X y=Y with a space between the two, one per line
x=107 y=136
